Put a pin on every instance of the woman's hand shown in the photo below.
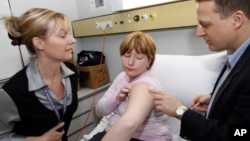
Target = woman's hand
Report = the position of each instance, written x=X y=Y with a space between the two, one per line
x=123 y=93
x=54 y=134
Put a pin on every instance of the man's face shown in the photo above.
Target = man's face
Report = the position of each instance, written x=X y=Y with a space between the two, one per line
x=217 y=32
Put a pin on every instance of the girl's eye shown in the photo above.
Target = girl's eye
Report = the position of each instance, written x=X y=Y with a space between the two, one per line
x=139 y=58
x=126 y=55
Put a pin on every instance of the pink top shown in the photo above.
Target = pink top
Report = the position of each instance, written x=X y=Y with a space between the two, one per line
x=154 y=128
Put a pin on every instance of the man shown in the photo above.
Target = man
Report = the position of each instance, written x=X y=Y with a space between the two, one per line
x=224 y=25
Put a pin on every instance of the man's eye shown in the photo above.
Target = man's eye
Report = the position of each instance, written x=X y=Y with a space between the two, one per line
x=204 y=25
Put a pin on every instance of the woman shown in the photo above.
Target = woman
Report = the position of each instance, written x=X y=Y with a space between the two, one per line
x=128 y=97
x=38 y=102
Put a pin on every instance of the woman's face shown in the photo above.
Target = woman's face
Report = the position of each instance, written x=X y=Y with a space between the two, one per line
x=134 y=64
x=58 y=44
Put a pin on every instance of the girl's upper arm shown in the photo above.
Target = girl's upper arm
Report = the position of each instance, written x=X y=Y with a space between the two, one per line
x=140 y=103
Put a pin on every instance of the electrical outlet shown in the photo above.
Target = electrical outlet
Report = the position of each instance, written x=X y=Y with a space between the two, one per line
x=108 y=24
x=104 y=25
x=98 y=25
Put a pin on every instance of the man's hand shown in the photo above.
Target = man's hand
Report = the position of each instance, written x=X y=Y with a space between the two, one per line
x=165 y=102
x=203 y=101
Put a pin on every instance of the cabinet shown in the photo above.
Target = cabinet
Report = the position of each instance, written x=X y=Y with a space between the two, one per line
x=96 y=75
x=85 y=98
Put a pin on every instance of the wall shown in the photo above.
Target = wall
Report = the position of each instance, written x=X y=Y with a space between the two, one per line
x=85 y=9
x=66 y=6
x=169 y=41
x=8 y=53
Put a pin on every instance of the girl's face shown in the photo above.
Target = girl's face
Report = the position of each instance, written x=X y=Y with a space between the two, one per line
x=134 y=64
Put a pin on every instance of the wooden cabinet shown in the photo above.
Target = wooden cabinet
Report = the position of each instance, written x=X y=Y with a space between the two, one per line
x=96 y=76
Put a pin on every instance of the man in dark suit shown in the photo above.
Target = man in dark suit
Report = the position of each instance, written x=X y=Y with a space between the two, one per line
x=224 y=25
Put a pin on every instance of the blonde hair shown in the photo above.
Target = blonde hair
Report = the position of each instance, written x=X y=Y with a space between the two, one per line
x=33 y=23
x=141 y=42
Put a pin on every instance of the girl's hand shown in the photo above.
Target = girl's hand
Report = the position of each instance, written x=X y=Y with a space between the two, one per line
x=123 y=93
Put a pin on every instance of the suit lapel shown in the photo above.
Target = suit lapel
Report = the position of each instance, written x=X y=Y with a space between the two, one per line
x=217 y=81
x=238 y=67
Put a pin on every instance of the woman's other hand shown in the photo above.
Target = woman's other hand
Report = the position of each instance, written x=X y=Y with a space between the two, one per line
x=123 y=93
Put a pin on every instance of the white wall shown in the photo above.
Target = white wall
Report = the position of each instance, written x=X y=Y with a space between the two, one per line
x=68 y=7
x=10 y=60
x=85 y=9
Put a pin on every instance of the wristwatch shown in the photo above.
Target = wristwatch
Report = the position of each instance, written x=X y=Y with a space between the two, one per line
x=180 y=111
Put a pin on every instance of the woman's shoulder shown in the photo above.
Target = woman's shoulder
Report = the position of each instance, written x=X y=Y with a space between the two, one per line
x=121 y=76
x=71 y=66
x=149 y=79
x=146 y=76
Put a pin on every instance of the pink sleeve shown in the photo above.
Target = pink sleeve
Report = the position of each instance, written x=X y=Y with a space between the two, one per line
x=107 y=102
x=150 y=80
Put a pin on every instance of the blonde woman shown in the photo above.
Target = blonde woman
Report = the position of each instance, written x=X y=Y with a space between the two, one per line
x=38 y=102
